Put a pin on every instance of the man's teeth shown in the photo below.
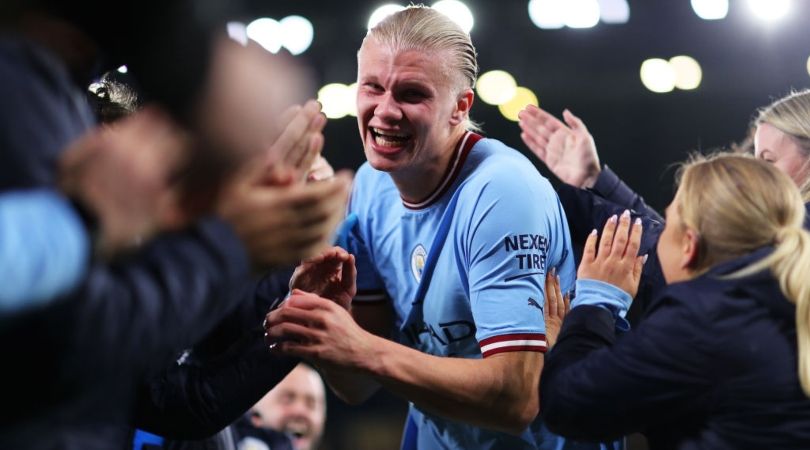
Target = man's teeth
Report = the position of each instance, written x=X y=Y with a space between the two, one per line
x=390 y=134
x=388 y=138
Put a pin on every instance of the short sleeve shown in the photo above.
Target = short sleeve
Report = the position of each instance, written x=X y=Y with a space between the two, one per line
x=511 y=246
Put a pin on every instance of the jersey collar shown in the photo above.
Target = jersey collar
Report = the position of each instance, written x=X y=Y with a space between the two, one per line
x=465 y=144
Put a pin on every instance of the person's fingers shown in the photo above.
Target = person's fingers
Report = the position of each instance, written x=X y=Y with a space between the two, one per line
x=537 y=146
x=567 y=300
x=544 y=118
x=349 y=277
x=286 y=149
x=288 y=314
x=314 y=148
x=589 y=252
x=634 y=241
x=606 y=241
x=574 y=122
x=621 y=236
x=560 y=311
x=638 y=267
x=551 y=296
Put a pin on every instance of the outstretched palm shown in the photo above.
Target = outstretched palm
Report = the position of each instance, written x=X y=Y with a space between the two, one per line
x=567 y=148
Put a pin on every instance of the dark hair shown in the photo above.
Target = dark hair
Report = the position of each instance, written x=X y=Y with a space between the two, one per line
x=111 y=100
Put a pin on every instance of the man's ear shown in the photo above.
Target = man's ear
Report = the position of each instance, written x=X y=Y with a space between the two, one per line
x=691 y=249
x=464 y=102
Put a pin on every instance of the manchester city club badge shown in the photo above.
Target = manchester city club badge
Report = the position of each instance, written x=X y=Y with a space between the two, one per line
x=418 y=258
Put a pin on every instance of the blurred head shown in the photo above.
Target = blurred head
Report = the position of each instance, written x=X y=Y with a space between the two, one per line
x=728 y=206
x=783 y=138
x=296 y=406
x=416 y=70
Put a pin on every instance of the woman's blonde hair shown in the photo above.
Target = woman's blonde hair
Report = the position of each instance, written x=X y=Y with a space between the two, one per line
x=737 y=204
x=421 y=28
x=791 y=115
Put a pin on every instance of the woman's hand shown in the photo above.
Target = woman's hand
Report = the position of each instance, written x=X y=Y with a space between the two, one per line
x=557 y=306
x=617 y=261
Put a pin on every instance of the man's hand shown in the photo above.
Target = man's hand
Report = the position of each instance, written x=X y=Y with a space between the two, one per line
x=319 y=331
x=556 y=308
x=331 y=275
x=282 y=225
x=124 y=175
x=616 y=262
x=567 y=150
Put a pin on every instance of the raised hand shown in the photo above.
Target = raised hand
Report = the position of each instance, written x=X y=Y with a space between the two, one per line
x=124 y=175
x=331 y=275
x=566 y=148
x=282 y=225
x=616 y=261
x=556 y=308
x=299 y=145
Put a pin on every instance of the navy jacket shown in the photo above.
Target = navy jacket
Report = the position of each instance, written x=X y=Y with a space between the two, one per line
x=713 y=365
x=590 y=209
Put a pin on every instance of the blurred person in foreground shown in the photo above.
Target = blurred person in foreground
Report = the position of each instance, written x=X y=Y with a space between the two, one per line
x=181 y=257
x=722 y=358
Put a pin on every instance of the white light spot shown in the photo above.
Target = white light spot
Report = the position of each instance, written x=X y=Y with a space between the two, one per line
x=496 y=87
x=581 y=13
x=296 y=34
x=657 y=75
x=710 y=9
x=458 y=12
x=688 y=73
x=122 y=69
x=267 y=32
x=382 y=12
x=614 y=11
x=238 y=32
x=336 y=100
x=547 y=14
x=770 y=10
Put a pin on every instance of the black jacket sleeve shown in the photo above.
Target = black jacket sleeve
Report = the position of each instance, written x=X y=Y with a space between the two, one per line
x=597 y=386
x=587 y=211
x=194 y=400
x=222 y=376
x=609 y=186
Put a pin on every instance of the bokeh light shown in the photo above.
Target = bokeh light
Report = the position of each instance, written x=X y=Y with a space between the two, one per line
x=657 y=75
x=496 y=87
x=523 y=97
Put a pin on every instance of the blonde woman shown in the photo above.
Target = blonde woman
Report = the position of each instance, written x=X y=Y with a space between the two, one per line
x=721 y=360
x=593 y=193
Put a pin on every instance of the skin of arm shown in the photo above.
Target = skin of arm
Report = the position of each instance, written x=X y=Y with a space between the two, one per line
x=498 y=392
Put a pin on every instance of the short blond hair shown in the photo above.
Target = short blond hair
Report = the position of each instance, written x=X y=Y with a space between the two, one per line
x=738 y=204
x=421 y=28
x=791 y=115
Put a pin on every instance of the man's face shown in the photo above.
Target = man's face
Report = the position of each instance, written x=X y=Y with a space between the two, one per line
x=405 y=107
x=296 y=406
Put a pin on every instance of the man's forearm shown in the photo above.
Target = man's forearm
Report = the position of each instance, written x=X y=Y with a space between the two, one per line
x=499 y=392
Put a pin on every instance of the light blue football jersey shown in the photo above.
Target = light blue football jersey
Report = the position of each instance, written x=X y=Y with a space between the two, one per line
x=491 y=231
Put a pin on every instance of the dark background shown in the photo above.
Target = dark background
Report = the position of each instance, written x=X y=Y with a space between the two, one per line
x=594 y=72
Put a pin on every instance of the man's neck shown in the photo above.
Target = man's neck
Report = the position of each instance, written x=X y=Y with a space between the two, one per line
x=416 y=184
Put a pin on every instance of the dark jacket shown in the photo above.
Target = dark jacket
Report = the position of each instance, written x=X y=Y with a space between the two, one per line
x=713 y=365
x=587 y=210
